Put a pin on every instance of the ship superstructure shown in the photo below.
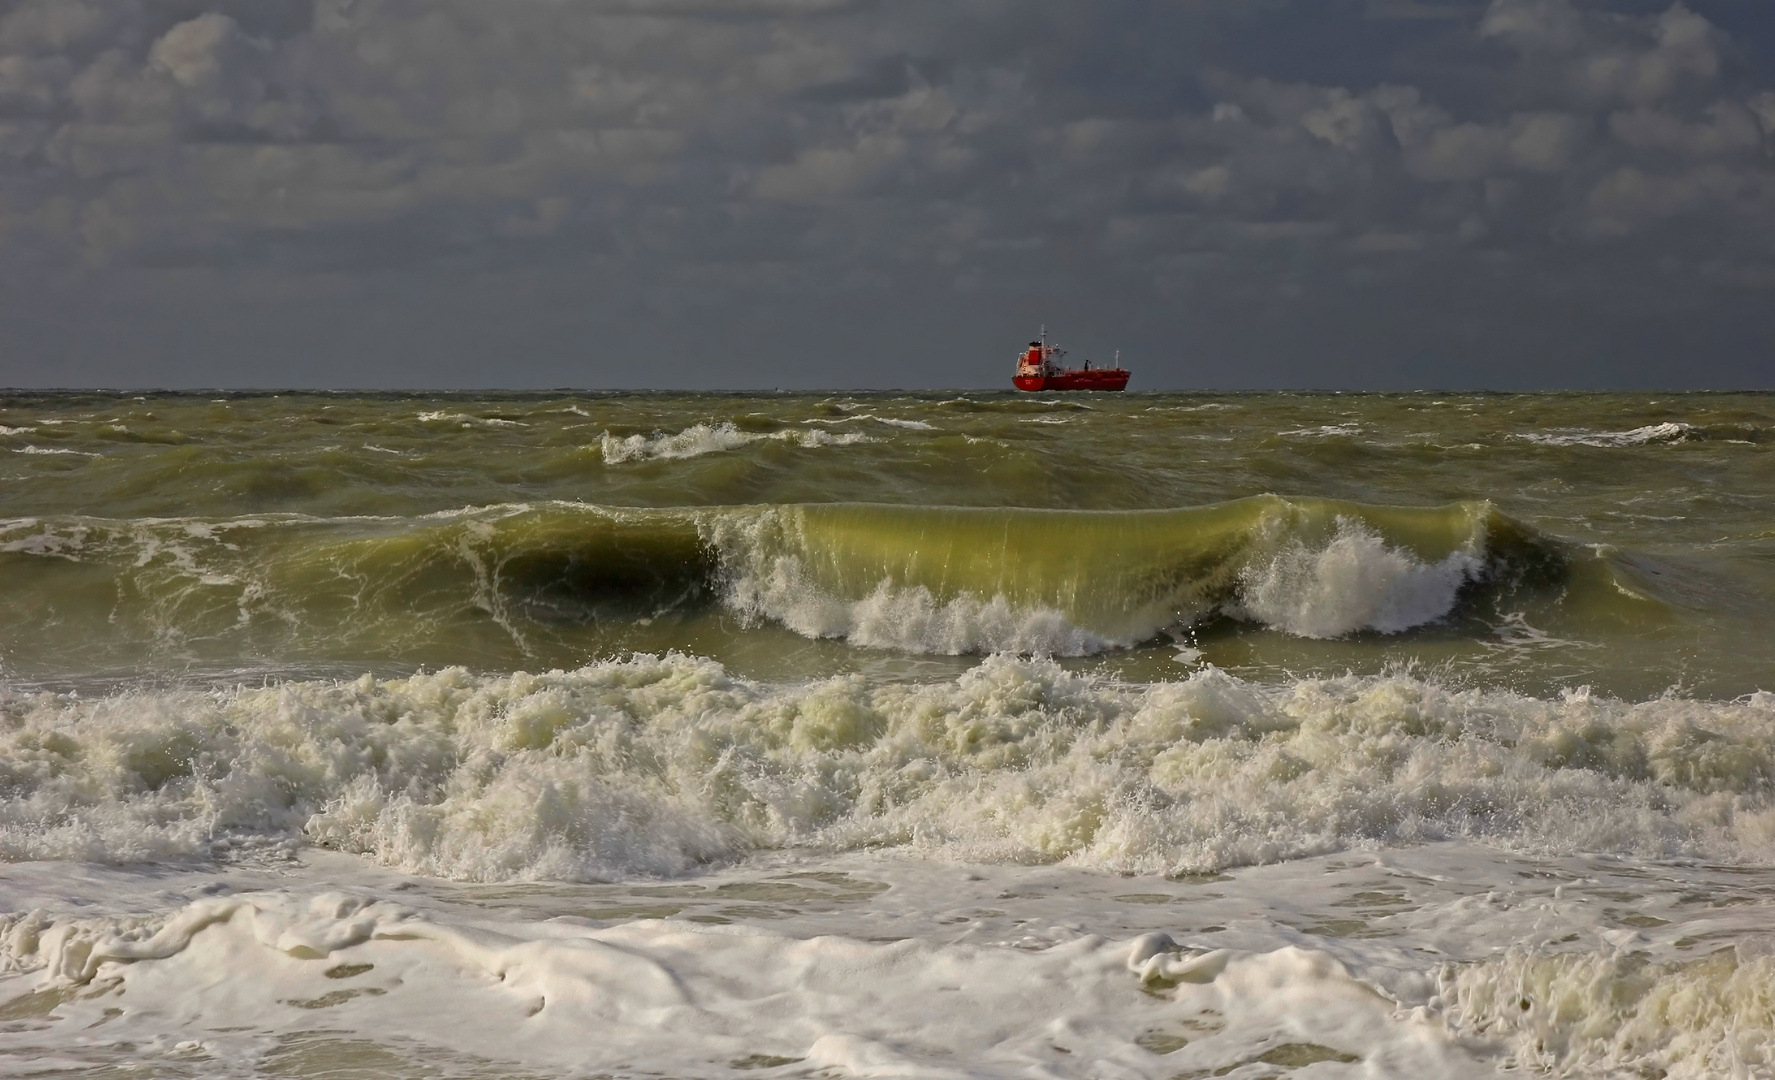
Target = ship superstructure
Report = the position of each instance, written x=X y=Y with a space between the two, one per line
x=1039 y=368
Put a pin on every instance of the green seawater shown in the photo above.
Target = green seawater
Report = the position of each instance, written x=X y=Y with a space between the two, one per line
x=1536 y=542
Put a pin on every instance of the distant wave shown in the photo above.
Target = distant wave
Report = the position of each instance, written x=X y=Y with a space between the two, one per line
x=1013 y=405
x=466 y=420
x=1325 y=431
x=1640 y=436
x=910 y=425
x=700 y=439
x=55 y=450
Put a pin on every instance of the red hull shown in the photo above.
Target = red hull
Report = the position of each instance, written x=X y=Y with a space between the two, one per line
x=1081 y=379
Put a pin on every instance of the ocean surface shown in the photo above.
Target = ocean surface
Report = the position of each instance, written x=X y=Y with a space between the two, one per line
x=941 y=735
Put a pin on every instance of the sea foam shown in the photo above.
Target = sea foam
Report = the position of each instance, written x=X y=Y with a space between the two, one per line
x=1667 y=432
x=239 y=979
x=903 y=618
x=676 y=998
x=659 y=765
x=1610 y=1012
x=700 y=439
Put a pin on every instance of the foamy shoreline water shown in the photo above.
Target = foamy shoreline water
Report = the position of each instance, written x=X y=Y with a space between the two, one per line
x=1364 y=876
x=1447 y=960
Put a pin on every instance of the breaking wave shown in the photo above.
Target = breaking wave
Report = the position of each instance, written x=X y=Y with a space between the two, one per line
x=1073 y=583
x=659 y=765
x=1354 y=582
x=488 y=581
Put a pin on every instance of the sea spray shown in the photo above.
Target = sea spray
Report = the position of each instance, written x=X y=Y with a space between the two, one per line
x=1355 y=582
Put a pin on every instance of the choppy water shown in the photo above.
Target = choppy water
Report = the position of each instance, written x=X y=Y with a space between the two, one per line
x=384 y=735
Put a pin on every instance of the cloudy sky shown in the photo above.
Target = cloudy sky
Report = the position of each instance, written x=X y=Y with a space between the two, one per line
x=886 y=193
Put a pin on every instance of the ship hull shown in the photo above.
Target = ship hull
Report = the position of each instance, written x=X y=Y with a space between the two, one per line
x=1084 y=379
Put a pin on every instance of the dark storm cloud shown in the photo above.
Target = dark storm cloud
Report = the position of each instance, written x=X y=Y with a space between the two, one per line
x=1326 y=192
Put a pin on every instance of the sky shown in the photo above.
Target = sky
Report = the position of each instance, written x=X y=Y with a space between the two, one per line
x=738 y=194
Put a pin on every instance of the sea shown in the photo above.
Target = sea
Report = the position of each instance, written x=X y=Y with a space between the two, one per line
x=950 y=735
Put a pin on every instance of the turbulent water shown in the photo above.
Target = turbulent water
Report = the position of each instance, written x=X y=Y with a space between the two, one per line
x=1144 y=735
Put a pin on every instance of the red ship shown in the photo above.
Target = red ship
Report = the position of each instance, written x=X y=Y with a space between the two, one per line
x=1039 y=369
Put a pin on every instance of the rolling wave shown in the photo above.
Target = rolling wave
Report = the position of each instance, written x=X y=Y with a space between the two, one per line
x=916 y=579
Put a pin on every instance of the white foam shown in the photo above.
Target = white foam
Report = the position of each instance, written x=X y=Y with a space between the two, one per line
x=908 y=619
x=699 y=439
x=236 y=977
x=1326 y=431
x=1652 y=433
x=658 y=765
x=1349 y=581
x=466 y=420
x=1610 y=1013
x=911 y=425
x=1355 y=582
x=62 y=545
x=766 y=578
x=47 y=450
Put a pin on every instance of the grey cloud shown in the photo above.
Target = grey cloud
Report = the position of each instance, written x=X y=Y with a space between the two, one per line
x=1724 y=128
x=1599 y=56
x=70 y=27
x=1527 y=142
x=723 y=158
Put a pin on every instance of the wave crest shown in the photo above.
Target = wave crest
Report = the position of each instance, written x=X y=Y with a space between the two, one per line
x=1668 y=432
x=539 y=584
x=699 y=439
x=1356 y=581
x=959 y=581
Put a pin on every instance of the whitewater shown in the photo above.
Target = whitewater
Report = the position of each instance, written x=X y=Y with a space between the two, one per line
x=640 y=735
